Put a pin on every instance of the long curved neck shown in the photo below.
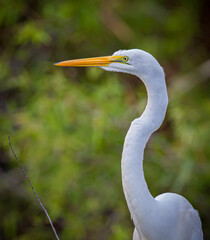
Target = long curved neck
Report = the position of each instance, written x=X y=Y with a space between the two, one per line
x=138 y=196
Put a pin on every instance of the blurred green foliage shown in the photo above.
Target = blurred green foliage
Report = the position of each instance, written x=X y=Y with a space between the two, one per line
x=68 y=125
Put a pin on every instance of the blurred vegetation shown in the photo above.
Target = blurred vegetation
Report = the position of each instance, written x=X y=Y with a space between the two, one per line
x=68 y=125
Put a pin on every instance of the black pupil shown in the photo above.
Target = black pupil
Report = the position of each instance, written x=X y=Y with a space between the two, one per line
x=125 y=58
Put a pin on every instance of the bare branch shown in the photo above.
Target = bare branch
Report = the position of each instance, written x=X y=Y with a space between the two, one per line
x=44 y=209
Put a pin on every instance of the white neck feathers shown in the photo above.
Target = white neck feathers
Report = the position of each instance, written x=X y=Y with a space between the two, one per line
x=138 y=197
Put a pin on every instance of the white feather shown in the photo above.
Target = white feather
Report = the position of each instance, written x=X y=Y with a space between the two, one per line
x=169 y=216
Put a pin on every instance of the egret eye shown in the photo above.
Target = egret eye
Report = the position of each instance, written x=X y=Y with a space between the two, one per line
x=125 y=59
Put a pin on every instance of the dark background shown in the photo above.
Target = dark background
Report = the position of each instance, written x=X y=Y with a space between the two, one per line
x=67 y=126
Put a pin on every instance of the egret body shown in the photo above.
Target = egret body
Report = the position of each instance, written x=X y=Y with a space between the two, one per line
x=169 y=216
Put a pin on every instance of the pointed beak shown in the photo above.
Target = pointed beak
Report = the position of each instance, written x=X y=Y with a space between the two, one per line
x=89 y=62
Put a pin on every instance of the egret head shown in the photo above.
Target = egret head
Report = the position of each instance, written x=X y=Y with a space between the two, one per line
x=134 y=61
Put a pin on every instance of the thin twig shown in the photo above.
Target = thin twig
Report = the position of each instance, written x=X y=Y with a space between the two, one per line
x=44 y=209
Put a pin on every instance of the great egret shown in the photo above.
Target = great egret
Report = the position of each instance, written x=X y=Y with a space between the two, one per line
x=169 y=216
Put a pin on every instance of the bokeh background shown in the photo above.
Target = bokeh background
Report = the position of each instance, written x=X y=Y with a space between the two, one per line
x=67 y=126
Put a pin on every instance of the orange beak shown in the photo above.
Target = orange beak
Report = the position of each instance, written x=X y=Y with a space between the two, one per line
x=89 y=62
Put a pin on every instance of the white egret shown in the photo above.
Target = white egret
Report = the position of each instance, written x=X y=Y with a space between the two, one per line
x=169 y=216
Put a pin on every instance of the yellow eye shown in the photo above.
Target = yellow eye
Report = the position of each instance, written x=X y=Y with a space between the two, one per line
x=125 y=58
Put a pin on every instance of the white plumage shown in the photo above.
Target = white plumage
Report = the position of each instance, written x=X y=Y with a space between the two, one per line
x=169 y=216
